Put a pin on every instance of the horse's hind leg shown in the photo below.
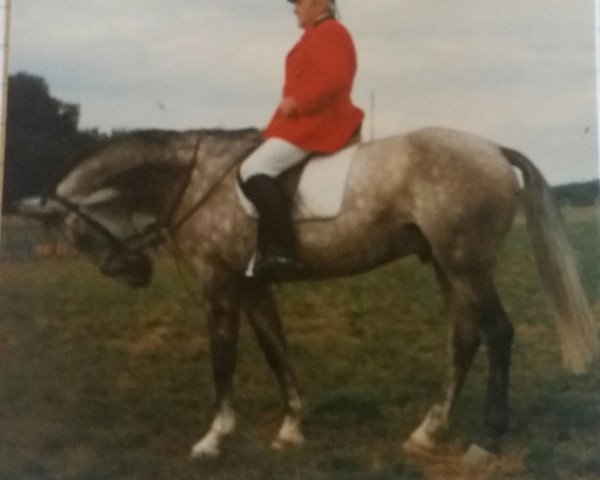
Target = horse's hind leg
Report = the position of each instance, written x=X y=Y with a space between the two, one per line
x=498 y=334
x=475 y=311
x=465 y=340
x=264 y=319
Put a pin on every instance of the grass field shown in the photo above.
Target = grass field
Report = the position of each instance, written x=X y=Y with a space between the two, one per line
x=98 y=381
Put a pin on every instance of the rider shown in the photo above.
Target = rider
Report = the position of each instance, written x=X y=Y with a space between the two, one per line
x=315 y=115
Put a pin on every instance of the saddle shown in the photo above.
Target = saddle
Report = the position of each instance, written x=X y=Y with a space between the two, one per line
x=315 y=187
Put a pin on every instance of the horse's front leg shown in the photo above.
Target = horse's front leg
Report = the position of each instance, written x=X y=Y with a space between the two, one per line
x=262 y=314
x=223 y=326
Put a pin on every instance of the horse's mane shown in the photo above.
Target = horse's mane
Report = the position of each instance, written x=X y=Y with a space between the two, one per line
x=135 y=154
x=157 y=137
x=162 y=137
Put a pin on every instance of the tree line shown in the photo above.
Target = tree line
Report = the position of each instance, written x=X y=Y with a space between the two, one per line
x=43 y=142
x=579 y=194
x=43 y=138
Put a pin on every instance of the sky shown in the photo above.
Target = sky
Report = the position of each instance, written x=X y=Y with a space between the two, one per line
x=520 y=73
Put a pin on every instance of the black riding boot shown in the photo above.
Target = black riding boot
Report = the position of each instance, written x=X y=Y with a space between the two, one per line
x=276 y=239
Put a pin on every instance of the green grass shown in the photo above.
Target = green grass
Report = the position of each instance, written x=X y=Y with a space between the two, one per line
x=98 y=381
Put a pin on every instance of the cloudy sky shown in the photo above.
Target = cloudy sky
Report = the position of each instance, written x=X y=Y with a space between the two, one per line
x=520 y=73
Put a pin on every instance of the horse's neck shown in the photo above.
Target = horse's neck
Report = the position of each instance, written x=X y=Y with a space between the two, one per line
x=214 y=153
x=217 y=156
x=212 y=161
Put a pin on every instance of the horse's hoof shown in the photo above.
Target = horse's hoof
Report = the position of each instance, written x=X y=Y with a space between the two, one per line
x=286 y=443
x=204 y=452
x=478 y=456
x=412 y=448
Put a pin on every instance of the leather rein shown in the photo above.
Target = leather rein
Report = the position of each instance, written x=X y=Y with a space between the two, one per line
x=157 y=233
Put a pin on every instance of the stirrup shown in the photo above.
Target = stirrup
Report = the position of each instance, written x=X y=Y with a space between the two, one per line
x=250 y=273
x=278 y=266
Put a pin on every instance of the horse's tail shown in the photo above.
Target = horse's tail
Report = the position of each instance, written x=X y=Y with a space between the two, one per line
x=556 y=263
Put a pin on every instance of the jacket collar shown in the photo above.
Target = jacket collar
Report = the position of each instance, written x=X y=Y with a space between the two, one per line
x=322 y=18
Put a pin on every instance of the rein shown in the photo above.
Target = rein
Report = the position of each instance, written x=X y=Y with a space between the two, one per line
x=117 y=242
x=155 y=234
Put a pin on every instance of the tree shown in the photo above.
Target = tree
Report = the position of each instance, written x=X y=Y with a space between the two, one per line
x=578 y=194
x=41 y=136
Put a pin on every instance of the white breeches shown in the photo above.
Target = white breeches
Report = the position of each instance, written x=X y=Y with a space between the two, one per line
x=272 y=158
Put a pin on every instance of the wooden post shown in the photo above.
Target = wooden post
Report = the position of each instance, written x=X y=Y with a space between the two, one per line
x=5 y=20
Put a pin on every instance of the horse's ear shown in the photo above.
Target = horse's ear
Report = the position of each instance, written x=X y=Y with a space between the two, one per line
x=47 y=210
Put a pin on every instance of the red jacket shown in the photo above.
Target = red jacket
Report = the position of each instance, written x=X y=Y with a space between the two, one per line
x=319 y=74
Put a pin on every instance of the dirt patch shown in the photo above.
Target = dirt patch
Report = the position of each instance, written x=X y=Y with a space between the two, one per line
x=448 y=464
x=150 y=341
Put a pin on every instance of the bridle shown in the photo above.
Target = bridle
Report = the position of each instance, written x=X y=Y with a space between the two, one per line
x=158 y=232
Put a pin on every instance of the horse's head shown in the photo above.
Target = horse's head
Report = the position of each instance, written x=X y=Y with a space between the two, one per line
x=105 y=204
x=108 y=205
x=100 y=227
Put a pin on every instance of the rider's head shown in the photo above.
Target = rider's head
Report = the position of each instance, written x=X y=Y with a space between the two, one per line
x=310 y=11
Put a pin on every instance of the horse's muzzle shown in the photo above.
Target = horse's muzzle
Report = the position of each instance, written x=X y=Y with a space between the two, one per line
x=134 y=268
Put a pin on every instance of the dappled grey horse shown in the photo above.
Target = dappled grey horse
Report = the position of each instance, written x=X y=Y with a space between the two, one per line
x=447 y=196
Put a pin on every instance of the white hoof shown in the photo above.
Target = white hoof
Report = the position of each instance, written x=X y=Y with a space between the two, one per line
x=419 y=439
x=205 y=450
x=478 y=456
x=423 y=437
x=221 y=427
x=410 y=447
x=289 y=441
x=289 y=435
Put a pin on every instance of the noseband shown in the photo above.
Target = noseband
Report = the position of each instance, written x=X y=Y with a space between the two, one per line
x=125 y=254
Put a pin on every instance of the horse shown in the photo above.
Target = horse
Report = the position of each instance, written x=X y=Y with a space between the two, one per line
x=448 y=196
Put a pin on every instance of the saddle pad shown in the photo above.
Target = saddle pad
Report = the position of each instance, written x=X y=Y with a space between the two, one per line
x=321 y=187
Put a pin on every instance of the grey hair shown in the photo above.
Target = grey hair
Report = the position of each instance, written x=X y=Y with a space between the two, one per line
x=333 y=9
